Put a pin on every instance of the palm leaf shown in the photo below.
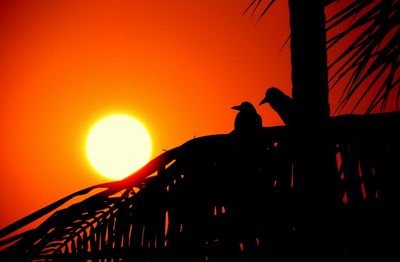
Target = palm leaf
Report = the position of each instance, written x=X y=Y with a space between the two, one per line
x=173 y=208
x=371 y=60
x=368 y=65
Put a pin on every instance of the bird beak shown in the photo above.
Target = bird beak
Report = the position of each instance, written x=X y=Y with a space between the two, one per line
x=236 y=108
x=263 y=101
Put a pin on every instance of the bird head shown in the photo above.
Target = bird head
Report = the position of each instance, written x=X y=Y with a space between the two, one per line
x=271 y=94
x=245 y=107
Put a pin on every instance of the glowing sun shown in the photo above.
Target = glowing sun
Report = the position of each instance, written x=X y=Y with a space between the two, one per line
x=117 y=146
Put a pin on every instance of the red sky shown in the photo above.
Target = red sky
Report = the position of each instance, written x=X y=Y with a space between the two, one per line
x=177 y=66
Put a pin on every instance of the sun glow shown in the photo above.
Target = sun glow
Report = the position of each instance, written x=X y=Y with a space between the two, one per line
x=117 y=146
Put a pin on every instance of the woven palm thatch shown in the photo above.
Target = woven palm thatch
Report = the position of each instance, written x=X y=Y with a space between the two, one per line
x=210 y=200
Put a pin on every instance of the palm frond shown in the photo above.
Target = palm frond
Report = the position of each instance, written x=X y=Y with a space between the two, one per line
x=202 y=199
x=368 y=68
x=256 y=6
x=248 y=7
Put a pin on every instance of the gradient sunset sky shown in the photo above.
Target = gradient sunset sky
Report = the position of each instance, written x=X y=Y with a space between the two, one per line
x=177 y=66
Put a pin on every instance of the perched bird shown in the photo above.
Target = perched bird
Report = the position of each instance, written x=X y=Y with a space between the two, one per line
x=245 y=165
x=281 y=103
x=247 y=121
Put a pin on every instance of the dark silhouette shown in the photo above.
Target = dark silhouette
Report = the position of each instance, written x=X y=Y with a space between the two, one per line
x=179 y=206
x=330 y=193
x=281 y=103
x=248 y=173
x=247 y=121
x=367 y=63
x=314 y=173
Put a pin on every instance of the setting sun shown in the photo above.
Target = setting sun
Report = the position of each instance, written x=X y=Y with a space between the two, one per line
x=117 y=146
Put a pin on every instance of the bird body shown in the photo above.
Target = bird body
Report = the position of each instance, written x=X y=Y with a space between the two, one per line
x=246 y=173
x=247 y=121
x=281 y=103
x=248 y=132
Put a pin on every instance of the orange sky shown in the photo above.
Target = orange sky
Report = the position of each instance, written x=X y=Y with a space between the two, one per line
x=177 y=66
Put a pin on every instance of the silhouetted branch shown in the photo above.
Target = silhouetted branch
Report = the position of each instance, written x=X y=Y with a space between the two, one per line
x=208 y=197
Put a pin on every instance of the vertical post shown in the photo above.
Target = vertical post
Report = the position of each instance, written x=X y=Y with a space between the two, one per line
x=313 y=152
x=309 y=61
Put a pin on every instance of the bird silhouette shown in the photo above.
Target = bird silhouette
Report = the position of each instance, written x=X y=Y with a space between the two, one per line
x=281 y=103
x=247 y=121
x=248 y=161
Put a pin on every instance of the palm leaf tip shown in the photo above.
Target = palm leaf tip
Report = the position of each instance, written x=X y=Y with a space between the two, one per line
x=256 y=5
x=367 y=69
